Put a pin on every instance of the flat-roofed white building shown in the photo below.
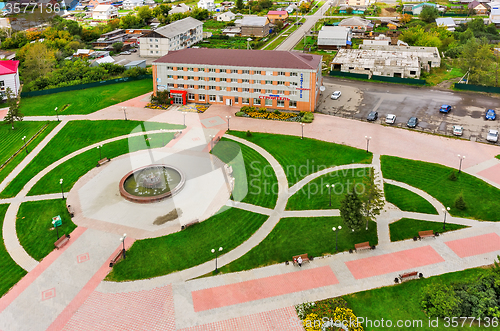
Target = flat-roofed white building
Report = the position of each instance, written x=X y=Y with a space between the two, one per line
x=104 y=12
x=334 y=37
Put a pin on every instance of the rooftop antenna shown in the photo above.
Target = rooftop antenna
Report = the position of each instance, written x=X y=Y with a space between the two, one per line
x=248 y=43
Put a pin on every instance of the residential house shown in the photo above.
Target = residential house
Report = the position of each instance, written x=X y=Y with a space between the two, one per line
x=175 y=36
x=334 y=37
x=9 y=77
x=417 y=9
x=83 y=53
x=104 y=12
x=102 y=60
x=291 y=8
x=226 y=17
x=131 y=4
x=357 y=24
x=207 y=4
x=277 y=15
x=447 y=22
x=357 y=3
x=95 y=3
x=495 y=17
x=239 y=77
x=106 y=40
x=479 y=8
x=254 y=26
x=180 y=8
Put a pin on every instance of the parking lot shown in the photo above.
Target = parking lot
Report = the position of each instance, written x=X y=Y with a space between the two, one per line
x=124 y=59
x=360 y=98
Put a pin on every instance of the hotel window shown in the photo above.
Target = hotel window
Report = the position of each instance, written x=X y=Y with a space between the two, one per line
x=211 y=70
x=234 y=89
x=157 y=52
x=281 y=73
x=294 y=74
x=245 y=89
x=190 y=77
x=200 y=87
x=190 y=96
x=190 y=69
x=245 y=101
x=150 y=46
x=156 y=46
x=245 y=80
x=156 y=40
x=269 y=102
x=201 y=97
x=170 y=76
x=281 y=83
x=150 y=40
x=170 y=85
x=269 y=73
x=269 y=82
x=293 y=84
x=170 y=68
x=293 y=92
x=280 y=92
x=220 y=98
x=256 y=101
x=212 y=79
x=212 y=97
x=190 y=86
x=245 y=72
x=236 y=100
x=151 y=52
x=281 y=103
x=212 y=88
x=269 y=91
x=292 y=104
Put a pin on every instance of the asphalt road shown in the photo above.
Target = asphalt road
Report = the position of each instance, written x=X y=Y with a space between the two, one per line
x=360 y=98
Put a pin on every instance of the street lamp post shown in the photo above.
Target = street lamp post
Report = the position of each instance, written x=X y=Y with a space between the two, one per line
x=25 y=146
x=445 y=211
x=214 y=251
x=228 y=118
x=57 y=115
x=184 y=119
x=124 y=112
x=122 y=239
x=367 y=142
x=57 y=230
x=99 y=148
x=330 y=187
x=302 y=126
x=62 y=192
x=336 y=230
x=461 y=158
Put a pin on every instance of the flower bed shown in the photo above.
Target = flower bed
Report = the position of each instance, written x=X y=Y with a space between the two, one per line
x=193 y=108
x=263 y=113
x=327 y=314
x=151 y=105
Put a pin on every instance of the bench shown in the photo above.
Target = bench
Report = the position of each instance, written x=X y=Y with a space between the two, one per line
x=304 y=257
x=424 y=234
x=62 y=241
x=184 y=227
x=361 y=246
x=103 y=161
x=177 y=134
x=115 y=258
x=408 y=276
x=71 y=211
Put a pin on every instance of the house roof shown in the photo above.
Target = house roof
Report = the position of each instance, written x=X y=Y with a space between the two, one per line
x=277 y=12
x=355 y=21
x=333 y=32
x=254 y=21
x=180 y=26
x=8 y=67
x=103 y=7
x=106 y=59
x=180 y=8
x=473 y=4
x=242 y=58
x=446 y=21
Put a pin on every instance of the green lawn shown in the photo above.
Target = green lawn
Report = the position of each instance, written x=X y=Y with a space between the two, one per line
x=74 y=136
x=79 y=165
x=34 y=226
x=302 y=157
x=402 y=302
x=407 y=228
x=84 y=101
x=498 y=156
x=407 y=200
x=7 y=169
x=12 y=139
x=315 y=194
x=481 y=198
x=11 y=272
x=255 y=180
x=299 y=235
x=181 y=250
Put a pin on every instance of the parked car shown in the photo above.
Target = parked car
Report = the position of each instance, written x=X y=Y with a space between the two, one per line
x=125 y=53
x=133 y=50
x=490 y=115
x=458 y=130
x=492 y=136
x=390 y=119
x=445 y=109
x=372 y=116
x=412 y=122
x=336 y=95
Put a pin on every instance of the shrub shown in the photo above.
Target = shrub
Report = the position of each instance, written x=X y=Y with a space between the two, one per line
x=460 y=203
x=453 y=176
x=308 y=117
x=277 y=112
x=249 y=134
x=440 y=300
x=262 y=109
x=240 y=113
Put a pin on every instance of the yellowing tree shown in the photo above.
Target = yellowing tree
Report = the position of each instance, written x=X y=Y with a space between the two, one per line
x=38 y=62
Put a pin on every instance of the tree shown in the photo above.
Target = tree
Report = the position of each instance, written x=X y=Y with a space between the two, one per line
x=478 y=59
x=239 y=4
x=350 y=211
x=117 y=46
x=460 y=203
x=144 y=13
x=429 y=14
x=279 y=25
x=372 y=199
x=199 y=14
x=405 y=18
x=38 y=61
x=13 y=114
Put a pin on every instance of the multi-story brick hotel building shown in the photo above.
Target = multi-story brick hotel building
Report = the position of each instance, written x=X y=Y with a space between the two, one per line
x=235 y=77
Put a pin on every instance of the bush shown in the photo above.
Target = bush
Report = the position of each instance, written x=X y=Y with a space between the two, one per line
x=262 y=109
x=460 y=203
x=453 y=176
x=308 y=117
x=440 y=300
x=240 y=113
x=277 y=112
x=249 y=134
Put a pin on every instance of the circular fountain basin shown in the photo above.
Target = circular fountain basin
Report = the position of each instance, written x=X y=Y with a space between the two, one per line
x=151 y=183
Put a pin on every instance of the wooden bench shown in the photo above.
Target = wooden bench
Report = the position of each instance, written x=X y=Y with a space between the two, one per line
x=71 y=210
x=362 y=246
x=115 y=258
x=304 y=257
x=408 y=276
x=177 y=134
x=424 y=234
x=62 y=241
x=184 y=227
x=103 y=161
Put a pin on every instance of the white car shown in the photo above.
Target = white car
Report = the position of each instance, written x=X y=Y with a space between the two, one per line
x=390 y=119
x=125 y=53
x=458 y=130
x=336 y=95
x=492 y=136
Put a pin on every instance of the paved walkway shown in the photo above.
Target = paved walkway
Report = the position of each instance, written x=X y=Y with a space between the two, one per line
x=65 y=289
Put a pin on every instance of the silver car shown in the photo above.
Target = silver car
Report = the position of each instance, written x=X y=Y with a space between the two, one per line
x=390 y=119
x=492 y=136
x=336 y=95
